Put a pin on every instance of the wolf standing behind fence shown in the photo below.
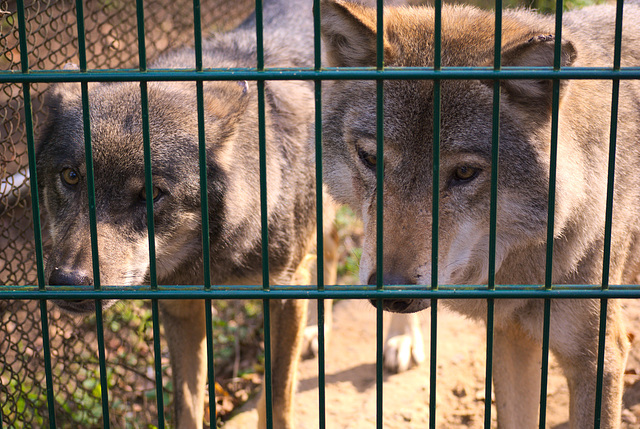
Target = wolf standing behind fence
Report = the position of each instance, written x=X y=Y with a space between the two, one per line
x=350 y=163
x=231 y=123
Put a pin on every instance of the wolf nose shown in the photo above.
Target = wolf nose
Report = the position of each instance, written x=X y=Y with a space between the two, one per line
x=396 y=305
x=393 y=305
x=62 y=277
x=389 y=279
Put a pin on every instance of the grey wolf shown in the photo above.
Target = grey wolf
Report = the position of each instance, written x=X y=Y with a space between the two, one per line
x=349 y=33
x=231 y=123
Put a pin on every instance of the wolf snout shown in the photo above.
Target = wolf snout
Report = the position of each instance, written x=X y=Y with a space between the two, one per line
x=396 y=305
x=393 y=305
x=64 y=277
x=403 y=305
x=390 y=279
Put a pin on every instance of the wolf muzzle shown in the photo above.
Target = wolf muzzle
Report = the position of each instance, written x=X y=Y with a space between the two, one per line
x=64 y=277
x=398 y=305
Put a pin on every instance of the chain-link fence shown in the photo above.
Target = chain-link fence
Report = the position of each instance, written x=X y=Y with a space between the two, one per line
x=111 y=40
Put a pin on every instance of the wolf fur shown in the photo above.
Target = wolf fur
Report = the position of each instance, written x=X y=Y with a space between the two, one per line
x=231 y=123
x=349 y=33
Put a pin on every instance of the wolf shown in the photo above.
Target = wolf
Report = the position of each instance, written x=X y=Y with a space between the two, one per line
x=232 y=160
x=349 y=124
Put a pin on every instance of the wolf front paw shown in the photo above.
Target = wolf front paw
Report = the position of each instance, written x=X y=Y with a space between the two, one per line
x=310 y=342
x=404 y=345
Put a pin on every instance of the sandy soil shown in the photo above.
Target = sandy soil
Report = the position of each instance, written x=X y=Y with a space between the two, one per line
x=351 y=379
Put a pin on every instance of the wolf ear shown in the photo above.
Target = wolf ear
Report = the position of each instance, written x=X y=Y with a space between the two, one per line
x=349 y=32
x=538 y=51
x=64 y=93
x=226 y=99
x=67 y=94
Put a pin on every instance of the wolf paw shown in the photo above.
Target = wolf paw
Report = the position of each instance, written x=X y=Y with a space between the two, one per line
x=310 y=342
x=404 y=344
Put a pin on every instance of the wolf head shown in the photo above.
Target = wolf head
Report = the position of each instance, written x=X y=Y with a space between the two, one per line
x=349 y=33
x=119 y=172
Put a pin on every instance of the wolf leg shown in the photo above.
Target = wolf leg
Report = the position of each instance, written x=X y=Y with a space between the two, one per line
x=310 y=343
x=288 y=319
x=576 y=350
x=516 y=377
x=184 y=327
x=331 y=242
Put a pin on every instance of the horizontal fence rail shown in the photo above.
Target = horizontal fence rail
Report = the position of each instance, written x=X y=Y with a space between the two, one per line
x=352 y=73
x=335 y=292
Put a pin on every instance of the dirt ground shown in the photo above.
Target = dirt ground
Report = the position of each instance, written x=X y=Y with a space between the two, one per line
x=351 y=379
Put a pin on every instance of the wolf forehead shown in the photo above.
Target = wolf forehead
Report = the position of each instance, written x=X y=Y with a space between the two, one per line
x=466 y=109
x=467 y=35
x=115 y=117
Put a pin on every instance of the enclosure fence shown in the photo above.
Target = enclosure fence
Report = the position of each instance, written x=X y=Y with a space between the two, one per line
x=42 y=45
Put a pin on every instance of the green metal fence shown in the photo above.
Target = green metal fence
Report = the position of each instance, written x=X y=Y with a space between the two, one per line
x=37 y=291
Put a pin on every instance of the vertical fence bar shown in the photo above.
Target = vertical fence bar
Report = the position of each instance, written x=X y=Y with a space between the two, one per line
x=33 y=174
x=144 y=102
x=489 y=364
x=555 y=107
x=545 y=361
x=544 y=374
x=82 y=56
x=380 y=147
x=606 y=260
x=259 y=35
x=35 y=207
x=46 y=342
x=497 y=64
x=88 y=150
x=146 y=144
x=321 y=362
x=265 y=256
x=94 y=249
x=491 y=284
x=435 y=206
x=204 y=203
x=267 y=385
x=600 y=365
x=319 y=210
x=553 y=149
x=379 y=214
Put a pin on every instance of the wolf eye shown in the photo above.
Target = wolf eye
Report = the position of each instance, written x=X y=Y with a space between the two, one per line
x=465 y=173
x=370 y=161
x=156 y=193
x=70 y=176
